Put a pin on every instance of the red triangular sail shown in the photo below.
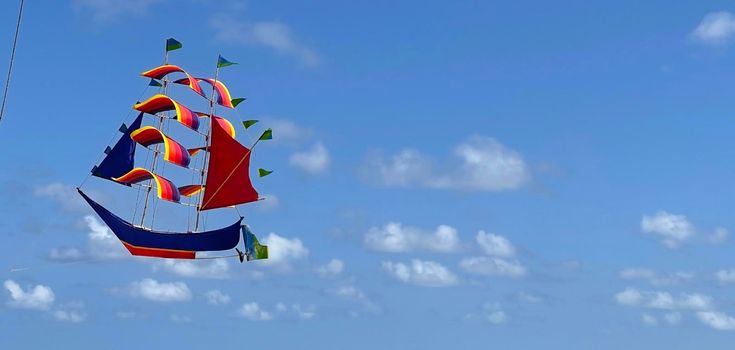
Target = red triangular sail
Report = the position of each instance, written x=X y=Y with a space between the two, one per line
x=228 y=176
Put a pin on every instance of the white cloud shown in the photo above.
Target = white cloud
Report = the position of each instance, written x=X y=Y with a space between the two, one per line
x=497 y=317
x=487 y=165
x=216 y=297
x=393 y=237
x=484 y=164
x=529 y=298
x=671 y=229
x=64 y=254
x=717 y=320
x=215 y=268
x=103 y=244
x=656 y=279
x=495 y=245
x=272 y=34
x=490 y=312
x=421 y=273
x=37 y=297
x=499 y=263
x=405 y=169
x=672 y=318
x=662 y=300
x=306 y=312
x=113 y=10
x=287 y=131
x=352 y=293
x=333 y=268
x=269 y=202
x=313 y=161
x=253 y=312
x=725 y=276
x=719 y=235
x=66 y=195
x=649 y=320
x=71 y=312
x=483 y=265
x=716 y=28
x=349 y=292
x=283 y=251
x=163 y=292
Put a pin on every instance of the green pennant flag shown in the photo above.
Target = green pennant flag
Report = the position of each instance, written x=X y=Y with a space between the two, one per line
x=236 y=101
x=154 y=82
x=261 y=251
x=249 y=123
x=262 y=172
x=222 y=62
x=267 y=135
x=172 y=44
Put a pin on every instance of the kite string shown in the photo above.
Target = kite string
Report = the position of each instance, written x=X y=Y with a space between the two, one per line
x=12 y=59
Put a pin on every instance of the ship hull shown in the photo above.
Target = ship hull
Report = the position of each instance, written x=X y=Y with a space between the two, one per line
x=144 y=242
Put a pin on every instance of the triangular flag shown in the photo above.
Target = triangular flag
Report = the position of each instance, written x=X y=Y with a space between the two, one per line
x=262 y=172
x=222 y=62
x=154 y=82
x=267 y=135
x=249 y=123
x=94 y=169
x=172 y=44
x=123 y=128
x=108 y=150
x=236 y=101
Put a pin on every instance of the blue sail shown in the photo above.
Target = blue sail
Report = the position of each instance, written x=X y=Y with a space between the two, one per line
x=145 y=242
x=119 y=159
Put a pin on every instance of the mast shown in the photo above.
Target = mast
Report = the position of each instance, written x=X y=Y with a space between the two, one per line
x=156 y=150
x=207 y=142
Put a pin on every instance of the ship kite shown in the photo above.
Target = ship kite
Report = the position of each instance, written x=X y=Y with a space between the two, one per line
x=218 y=169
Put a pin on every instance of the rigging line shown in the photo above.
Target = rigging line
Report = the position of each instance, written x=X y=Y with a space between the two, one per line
x=161 y=116
x=207 y=142
x=217 y=257
x=165 y=126
x=58 y=264
x=12 y=59
x=237 y=114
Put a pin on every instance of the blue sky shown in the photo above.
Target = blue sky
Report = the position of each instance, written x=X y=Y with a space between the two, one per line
x=474 y=175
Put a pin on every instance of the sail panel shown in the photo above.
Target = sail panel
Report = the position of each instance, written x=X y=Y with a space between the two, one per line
x=160 y=103
x=222 y=122
x=190 y=190
x=165 y=188
x=145 y=242
x=195 y=151
x=162 y=71
x=120 y=159
x=228 y=176
x=222 y=93
x=174 y=152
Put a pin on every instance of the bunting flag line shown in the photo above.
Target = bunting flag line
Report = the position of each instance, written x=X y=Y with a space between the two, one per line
x=236 y=101
x=249 y=123
x=267 y=135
